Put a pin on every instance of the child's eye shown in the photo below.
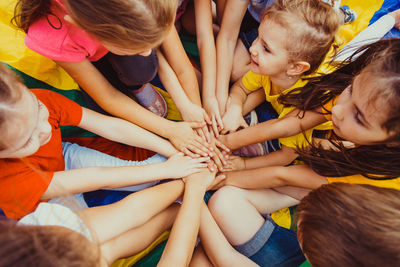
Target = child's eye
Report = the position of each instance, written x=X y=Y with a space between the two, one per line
x=266 y=49
x=357 y=117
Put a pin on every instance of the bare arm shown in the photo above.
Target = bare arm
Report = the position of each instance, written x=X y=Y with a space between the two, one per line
x=132 y=211
x=122 y=131
x=116 y=103
x=287 y=126
x=182 y=239
x=217 y=247
x=226 y=41
x=208 y=60
x=92 y=178
x=276 y=176
x=277 y=158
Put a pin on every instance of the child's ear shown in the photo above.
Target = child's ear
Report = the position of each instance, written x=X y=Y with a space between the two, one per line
x=298 y=68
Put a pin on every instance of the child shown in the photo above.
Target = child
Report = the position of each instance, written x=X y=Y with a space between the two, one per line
x=234 y=19
x=337 y=213
x=107 y=46
x=36 y=166
x=287 y=48
x=56 y=236
x=365 y=112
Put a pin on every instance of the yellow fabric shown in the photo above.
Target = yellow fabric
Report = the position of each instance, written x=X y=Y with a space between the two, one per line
x=282 y=217
x=252 y=82
x=359 y=179
x=126 y=262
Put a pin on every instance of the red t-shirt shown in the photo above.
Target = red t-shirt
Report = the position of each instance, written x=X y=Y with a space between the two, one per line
x=23 y=181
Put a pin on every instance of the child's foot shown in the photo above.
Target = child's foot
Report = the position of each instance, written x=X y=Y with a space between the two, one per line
x=349 y=15
x=151 y=99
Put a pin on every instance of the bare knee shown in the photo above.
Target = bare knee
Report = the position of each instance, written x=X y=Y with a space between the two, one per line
x=222 y=201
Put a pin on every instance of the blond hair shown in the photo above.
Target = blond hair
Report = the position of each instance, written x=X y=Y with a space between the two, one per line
x=311 y=26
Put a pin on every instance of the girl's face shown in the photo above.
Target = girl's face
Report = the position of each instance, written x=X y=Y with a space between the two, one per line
x=359 y=113
x=268 y=52
x=27 y=127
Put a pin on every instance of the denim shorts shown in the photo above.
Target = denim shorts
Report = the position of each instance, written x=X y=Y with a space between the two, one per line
x=273 y=245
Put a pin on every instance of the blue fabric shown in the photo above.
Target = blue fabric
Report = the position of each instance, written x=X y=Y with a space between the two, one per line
x=248 y=37
x=266 y=112
x=277 y=248
x=387 y=7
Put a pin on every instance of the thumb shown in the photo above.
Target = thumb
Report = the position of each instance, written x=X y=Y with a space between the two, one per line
x=196 y=125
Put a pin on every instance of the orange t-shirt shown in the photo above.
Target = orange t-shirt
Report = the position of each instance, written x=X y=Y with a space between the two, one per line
x=23 y=181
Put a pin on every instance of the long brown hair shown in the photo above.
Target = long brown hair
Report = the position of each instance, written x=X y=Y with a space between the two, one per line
x=45 y=246
x=312 y=25
x=350 y=225
x=378 y=161
x=124 y=23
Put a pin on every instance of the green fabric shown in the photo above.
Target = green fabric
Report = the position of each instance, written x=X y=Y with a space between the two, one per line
x=305 y=264
x=75 y=95
x=153 y=257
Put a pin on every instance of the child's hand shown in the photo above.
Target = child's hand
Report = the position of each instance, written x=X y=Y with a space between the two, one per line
x=211 y=106
x=179 y=165
x=203 y=179
x=185 y=139
x=233 y=120
x=219 y=157
x=235 y=163
x=196 y=113
x=396 y=15
x=219 y=181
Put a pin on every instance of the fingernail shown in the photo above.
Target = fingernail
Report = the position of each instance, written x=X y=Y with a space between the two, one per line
x=211 y=154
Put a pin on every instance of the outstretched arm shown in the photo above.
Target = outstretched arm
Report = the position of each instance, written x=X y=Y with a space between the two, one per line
x=182 y=239
x=234 y=11
x=287 y=126
x=116 y=103
x=275 y=176
x=132 y=211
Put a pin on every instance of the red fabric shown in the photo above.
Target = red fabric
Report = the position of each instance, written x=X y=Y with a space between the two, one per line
x=112 y=148
x=23 y=181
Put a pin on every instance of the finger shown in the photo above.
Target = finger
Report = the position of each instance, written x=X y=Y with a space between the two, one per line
x=221 y=145
x=201 y=165
x=201 y=144
x=201 y=134
x=202 y=159
x=220 y=156
x=215 y=127
x=219 y=121
x=188 y=152
x=206 y=133
x=196 y=125
x=218 y=162
x=207 y=118
x=198 y=151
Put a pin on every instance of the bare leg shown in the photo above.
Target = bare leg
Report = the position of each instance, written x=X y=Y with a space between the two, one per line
x=200 y=258
x=295 y=192
x=137 y=239
x=238 y=211
x=241 y=59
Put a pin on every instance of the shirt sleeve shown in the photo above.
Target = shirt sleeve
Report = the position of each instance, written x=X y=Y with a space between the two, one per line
x=252 y=81
x=65 y=111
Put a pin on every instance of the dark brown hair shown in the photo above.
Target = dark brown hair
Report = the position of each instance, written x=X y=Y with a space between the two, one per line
x=124 y=23
x=312 y=25
x=45 y=246
x=350 y=225
x=377 y=161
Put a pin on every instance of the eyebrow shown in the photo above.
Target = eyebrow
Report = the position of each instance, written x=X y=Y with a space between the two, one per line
x=363 y=119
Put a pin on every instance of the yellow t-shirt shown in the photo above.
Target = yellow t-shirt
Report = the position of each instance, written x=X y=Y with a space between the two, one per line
x=252 y=82
x=359 y=179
